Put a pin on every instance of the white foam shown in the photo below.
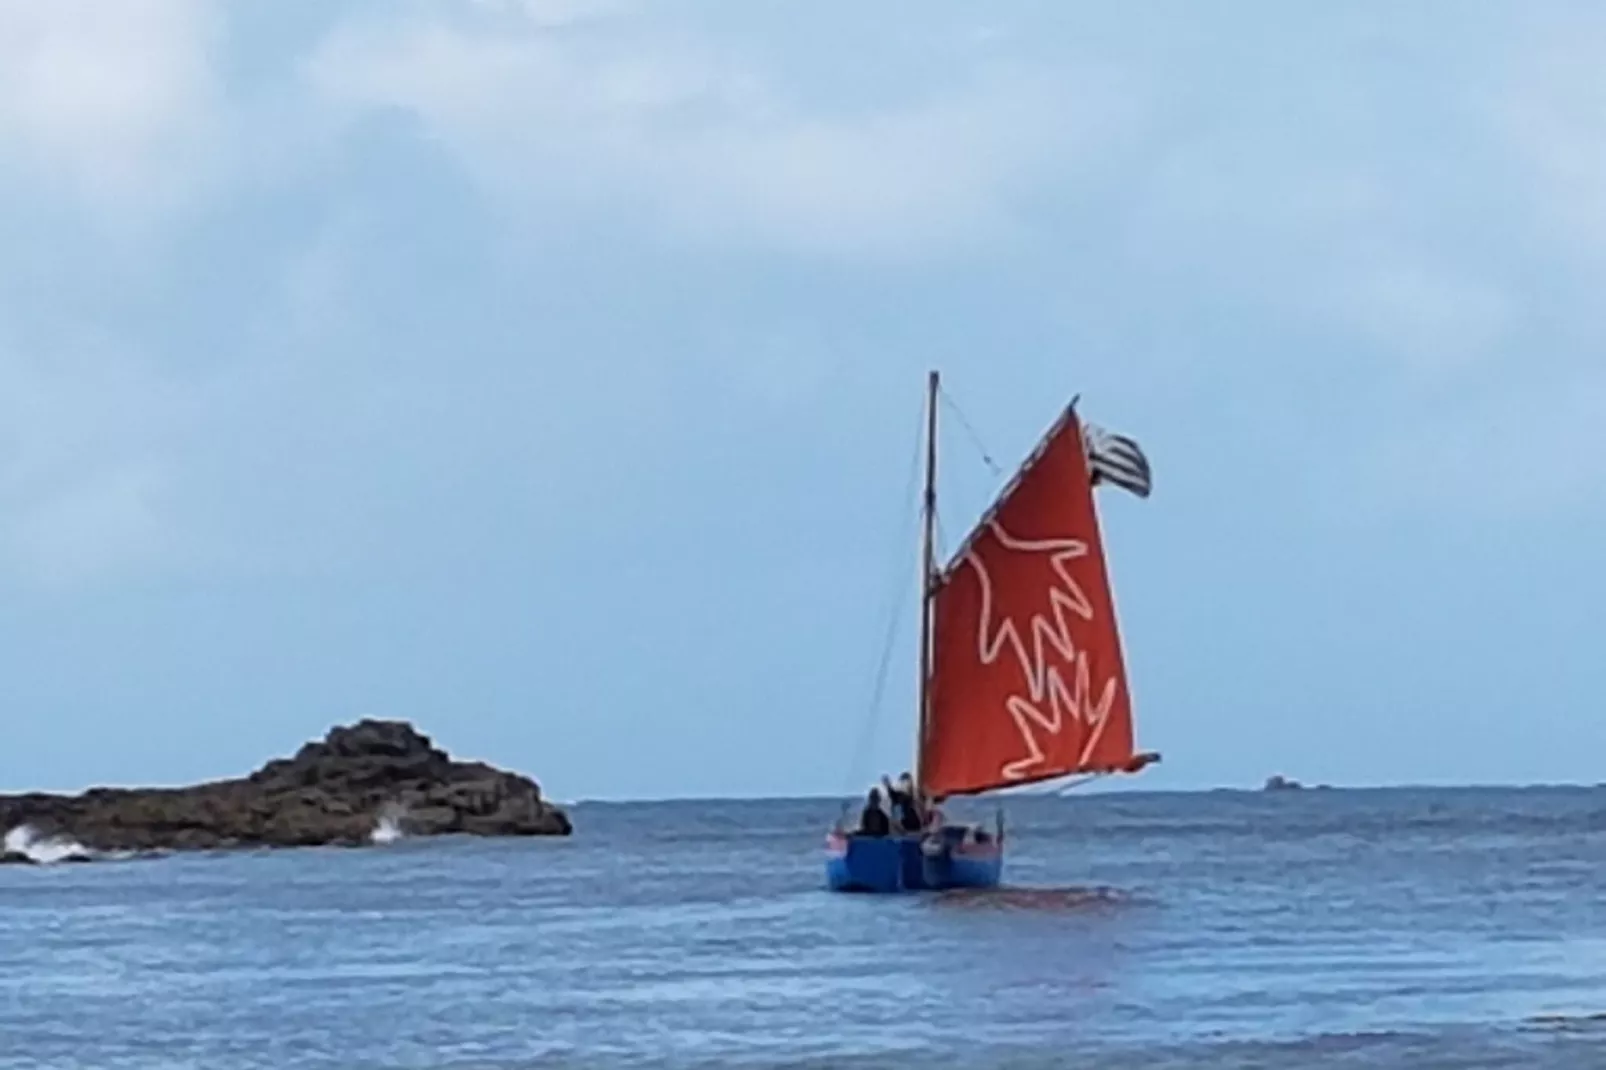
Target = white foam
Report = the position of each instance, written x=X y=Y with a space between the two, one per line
x=388 y=828
x=45 y=850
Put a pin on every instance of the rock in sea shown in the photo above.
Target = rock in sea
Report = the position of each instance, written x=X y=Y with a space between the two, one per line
x=334 y=791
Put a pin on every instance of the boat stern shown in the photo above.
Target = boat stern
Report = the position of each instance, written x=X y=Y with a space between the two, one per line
x=887 y=864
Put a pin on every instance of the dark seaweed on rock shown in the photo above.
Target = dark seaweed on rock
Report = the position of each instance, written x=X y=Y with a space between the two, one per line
x=333 y=791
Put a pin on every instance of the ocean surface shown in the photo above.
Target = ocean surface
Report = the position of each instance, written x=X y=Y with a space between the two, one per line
x=1358 y=929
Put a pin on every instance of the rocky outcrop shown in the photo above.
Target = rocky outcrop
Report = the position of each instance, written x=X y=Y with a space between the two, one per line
x=334 y=791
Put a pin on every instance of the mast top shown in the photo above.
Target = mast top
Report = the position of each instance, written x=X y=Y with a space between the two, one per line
x=927 y=570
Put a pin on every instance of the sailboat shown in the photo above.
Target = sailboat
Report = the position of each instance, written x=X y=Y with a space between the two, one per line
x=1022 y=679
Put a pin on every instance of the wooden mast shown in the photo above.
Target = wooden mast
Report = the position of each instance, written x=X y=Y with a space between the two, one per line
x=927 y=570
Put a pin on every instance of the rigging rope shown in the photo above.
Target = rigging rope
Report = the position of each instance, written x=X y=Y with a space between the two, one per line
x=899 y=597
x=975 y=439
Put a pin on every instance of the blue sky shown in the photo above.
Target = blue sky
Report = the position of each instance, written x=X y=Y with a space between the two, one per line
x=548 y=373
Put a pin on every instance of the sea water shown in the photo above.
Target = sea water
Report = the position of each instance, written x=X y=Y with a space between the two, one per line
x=1365 y=929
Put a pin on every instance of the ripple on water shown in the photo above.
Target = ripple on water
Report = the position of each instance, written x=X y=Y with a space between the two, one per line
x=1359 y=930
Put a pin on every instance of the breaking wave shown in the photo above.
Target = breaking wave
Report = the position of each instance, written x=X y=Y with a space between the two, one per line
x=24 y=840
x=388 y=829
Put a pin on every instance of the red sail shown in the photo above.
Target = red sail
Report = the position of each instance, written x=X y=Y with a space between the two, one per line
x=1027 y=681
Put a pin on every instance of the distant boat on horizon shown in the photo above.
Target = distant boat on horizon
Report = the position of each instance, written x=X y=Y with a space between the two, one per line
x=1022 y=679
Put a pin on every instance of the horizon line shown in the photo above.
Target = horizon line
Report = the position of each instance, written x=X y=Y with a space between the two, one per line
x=1303 y=789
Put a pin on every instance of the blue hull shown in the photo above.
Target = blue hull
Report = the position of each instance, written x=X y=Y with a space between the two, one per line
x=888 y=864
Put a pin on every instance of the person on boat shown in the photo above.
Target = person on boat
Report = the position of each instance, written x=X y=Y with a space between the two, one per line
x=907 y=813
x=873 y=819
x=932 y=812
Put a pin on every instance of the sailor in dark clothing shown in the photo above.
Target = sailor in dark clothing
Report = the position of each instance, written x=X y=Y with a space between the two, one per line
x=907 y=815
x=873 y=820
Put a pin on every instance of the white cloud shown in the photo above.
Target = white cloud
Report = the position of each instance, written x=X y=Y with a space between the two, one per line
x=1440 y=320
x=1321 y=212
x=554 y=13
x=86 y=441
x=709 y=141
x=108 y=115
x=111 y=101
x=1553 y=115
x=1527 y=451
x=1333 y=240
x=109 y=521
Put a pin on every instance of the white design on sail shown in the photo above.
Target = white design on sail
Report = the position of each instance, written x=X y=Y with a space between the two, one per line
x=1045 y=685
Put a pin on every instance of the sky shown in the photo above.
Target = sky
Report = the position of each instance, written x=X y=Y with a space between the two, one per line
x=548 y=373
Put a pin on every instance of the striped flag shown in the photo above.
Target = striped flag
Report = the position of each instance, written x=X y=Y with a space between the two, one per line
x=1116 y=459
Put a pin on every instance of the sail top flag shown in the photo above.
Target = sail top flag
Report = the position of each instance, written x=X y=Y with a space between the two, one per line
x=1027 y=681
x=1117 y=459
